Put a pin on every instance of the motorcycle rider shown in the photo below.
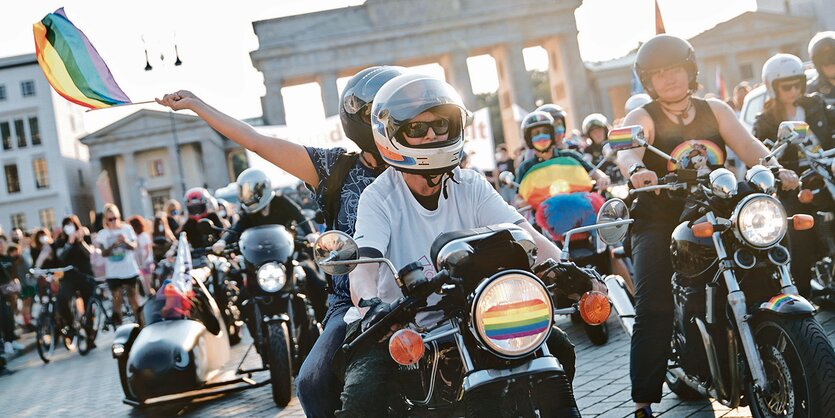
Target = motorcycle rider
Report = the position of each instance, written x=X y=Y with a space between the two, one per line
x=416 y=117
x=337 y=178
x=200 y=204
x=681 y=125
x=822 y=52
x=785 y=83
x=559 y=114
x=635 y=101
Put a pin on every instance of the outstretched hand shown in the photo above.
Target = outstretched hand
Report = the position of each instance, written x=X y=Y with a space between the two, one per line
x=182 y=99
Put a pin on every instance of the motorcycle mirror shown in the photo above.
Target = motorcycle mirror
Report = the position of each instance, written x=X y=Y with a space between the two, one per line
x=632 y=136
x=507 y=178
x=332 y=249
x=612 y=211
x=793 y=131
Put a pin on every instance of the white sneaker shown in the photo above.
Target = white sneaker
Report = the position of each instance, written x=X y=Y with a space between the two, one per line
x=17 y=346
x=8 y=348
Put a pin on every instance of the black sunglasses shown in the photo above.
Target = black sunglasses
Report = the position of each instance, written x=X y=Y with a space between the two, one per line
x=111 y=219
x=787 y=87
x=419 y=129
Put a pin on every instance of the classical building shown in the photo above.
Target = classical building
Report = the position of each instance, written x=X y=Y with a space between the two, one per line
x=148 y=157
x=324 y=46
x=45 y=170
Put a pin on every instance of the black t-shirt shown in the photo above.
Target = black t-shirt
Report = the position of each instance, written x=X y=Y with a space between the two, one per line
x=74 y=254
x=283 y=211
x=195 y=237
x=697 y=146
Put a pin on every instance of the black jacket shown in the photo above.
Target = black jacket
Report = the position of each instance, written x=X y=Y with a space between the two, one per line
x=823 y=86
x=194 y=235
x=821 y=120
x=283 y=211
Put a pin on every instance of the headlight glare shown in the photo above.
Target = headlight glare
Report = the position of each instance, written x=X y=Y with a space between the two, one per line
x=761 y=221
x=272 y=277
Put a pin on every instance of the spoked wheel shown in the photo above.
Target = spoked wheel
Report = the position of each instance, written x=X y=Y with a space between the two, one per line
x=798 y=361
x=45 y=336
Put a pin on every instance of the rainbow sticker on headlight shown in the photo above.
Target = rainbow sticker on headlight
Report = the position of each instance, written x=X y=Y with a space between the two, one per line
x=520 y=319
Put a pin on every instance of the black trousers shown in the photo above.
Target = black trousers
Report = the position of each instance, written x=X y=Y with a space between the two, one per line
x=805 y=247
x=72 y=283
x=653 y=307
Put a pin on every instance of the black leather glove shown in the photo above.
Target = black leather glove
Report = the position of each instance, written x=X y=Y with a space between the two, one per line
x=378 y=310
x=568 y=278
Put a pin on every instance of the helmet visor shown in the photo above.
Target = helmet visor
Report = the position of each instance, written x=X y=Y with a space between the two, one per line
x=196 y=209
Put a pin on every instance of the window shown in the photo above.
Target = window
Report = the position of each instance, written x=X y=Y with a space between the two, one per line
x=27 y=88
x=157 y=168
x=2 y=92
x=746 y=71
x=47 y=218
x=158 y=199
x=20 y=133
x=12 y=179
x=18 y=221
x=41 y=173
x=34 y=131
x=6 y=134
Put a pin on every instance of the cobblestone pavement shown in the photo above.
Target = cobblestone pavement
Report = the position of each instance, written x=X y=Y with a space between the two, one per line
x=72 y=385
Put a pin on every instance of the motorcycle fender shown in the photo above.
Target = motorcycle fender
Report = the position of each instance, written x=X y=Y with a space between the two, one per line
x=479 y=378
x=783 y=304
x=125 y=336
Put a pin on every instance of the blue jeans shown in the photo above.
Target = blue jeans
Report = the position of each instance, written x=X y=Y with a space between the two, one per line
x=317 y=385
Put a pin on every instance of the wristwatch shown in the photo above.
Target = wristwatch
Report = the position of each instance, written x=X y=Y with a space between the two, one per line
x=635 y=167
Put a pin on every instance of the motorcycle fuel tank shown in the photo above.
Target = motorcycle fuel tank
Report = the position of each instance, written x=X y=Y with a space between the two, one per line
x=262 y=244
x=691 y=256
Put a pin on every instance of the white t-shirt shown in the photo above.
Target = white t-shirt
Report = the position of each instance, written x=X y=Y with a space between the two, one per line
x=391 y=221
x=121 y=263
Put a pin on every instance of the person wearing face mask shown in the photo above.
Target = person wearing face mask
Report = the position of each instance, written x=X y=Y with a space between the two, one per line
x=174 y=211
x=73 y=248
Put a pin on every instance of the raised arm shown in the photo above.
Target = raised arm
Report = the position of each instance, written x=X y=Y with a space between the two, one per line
x=288 y=156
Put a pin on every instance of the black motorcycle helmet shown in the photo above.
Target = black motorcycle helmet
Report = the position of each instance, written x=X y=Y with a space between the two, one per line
x=665 y=51
x=822 y=49
x=354 y=105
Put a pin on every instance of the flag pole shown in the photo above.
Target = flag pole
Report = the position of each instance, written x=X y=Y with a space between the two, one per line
x=122 y=104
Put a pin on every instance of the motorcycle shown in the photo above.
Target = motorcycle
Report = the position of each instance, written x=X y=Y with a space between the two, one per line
x=560 y=193
x=223 y=287
x=742 y=334
x=818 y=193
x=180 y=352
x=279 y=316
x=483 y=351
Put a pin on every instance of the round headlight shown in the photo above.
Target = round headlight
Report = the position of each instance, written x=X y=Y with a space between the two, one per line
x=512 y=314
x=272 y=277
x=760 y=221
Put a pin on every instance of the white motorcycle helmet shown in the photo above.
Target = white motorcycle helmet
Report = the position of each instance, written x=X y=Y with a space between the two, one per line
x=403 y=98
x=635 y=101
x=254 y=190
x=782 y=67
x=595 y=120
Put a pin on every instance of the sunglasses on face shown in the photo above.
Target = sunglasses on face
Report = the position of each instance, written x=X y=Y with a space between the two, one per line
x=420 y=129
x=787 y=87
x=110 y=219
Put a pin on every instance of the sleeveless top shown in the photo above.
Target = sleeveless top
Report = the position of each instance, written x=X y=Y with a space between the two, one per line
x=697 y=146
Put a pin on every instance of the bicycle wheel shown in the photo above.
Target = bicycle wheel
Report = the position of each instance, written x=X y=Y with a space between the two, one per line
x=91 y=324
x=45 y=335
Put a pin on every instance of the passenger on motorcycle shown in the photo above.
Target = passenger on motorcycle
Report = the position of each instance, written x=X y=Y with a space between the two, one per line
x=695 y=132
x=419 y=127
x=200 y=204
x=337 y=178
x=785 y=82
x=822 y=52
x=596 y=131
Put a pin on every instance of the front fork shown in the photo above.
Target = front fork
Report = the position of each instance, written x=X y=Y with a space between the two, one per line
x=736 y=299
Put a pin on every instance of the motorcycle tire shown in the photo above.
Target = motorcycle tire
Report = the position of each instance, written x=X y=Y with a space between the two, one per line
x=684 y=392
x=278 y=360
x=797 y=353
x=45 y=336
x=598 y=334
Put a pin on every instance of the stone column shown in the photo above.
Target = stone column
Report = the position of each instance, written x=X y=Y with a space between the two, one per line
x=131 y=198
x=330 y=93
x=570 y=87
x=272 y=103
x=731 y=72
x=514 y=88
x=214 y=158
x=176 y=174
x=458 y=74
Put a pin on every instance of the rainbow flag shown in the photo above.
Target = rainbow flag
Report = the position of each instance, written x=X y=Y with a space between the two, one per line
x=555 y=176
x=621 y=138
x=518 y=319
x=72 y=65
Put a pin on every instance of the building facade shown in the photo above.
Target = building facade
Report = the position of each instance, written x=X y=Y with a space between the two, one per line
x=45 y=169
x=148 y=157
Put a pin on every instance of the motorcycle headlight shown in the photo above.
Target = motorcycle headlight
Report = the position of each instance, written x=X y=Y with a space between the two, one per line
x=272 y=277
x=760 y=221
x=512 y=314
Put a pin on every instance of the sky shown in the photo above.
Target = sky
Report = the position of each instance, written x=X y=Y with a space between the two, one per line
x=215 y=38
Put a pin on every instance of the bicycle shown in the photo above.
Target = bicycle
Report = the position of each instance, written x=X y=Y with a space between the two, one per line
x=48 y=329
x=98 y=315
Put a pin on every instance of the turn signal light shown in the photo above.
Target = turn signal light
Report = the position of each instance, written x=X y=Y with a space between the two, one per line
x=58 y=275
x=805 y=196
x=802 y=222
x=702 y=230
x=594 y=307
x=406 y=347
